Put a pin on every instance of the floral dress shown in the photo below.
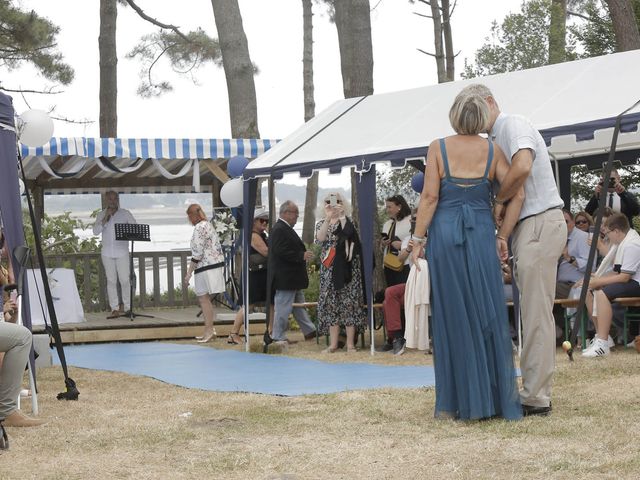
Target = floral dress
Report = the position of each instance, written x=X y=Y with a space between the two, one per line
x=342 y=307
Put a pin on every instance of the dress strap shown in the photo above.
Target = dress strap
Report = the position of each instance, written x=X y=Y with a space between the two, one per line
x=445 y=160
x=489 y=159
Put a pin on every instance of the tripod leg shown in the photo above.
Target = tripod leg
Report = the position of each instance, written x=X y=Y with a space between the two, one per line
x=132 y=288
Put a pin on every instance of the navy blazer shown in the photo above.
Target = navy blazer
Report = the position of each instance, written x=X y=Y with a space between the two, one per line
x=287 y=267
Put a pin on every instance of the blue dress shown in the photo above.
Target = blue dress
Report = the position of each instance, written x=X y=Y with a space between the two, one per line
x=472 y=348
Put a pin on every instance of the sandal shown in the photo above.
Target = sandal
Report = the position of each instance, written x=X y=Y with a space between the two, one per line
x=232 y=341
x=330 y=350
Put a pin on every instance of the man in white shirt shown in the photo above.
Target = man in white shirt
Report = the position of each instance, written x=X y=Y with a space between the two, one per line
x=115 y=253
x=537 y=242
x=622 y=281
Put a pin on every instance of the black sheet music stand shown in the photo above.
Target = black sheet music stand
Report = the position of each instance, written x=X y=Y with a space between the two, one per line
x=133 y=232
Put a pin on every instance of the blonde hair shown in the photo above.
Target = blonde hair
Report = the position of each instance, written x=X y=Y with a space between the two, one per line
x=195 y=207
x=320 y=213
x=469 y=114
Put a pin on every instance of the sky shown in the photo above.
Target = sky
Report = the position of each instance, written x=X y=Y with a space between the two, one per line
x=274 y=33
x=198 y=107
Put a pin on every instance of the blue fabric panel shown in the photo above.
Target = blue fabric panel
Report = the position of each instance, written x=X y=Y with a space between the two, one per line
x=118 y=145
x=64 y=146
x=133 y=152
x=240 y=147
x=206 y=368
x=144 y=148
x=172 y=150
x=186 y=150
x=91 y=147
x=226 y=145
x=200 y=148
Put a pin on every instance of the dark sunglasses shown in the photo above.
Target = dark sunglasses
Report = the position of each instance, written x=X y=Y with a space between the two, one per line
x=581 y=222
x=263 y=220
x=328 y=202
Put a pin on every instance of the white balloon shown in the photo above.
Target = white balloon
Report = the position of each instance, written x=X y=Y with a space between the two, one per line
x=35 y=128
x=231 y=193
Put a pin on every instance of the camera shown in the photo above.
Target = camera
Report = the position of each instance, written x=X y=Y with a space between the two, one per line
x=333 y=199
x=612 y=183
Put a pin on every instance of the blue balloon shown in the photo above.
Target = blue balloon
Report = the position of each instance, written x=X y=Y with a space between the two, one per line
x=417 y=182
x=236 y=166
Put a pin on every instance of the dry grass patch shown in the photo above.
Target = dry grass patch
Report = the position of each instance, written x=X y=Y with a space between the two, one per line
x=134 y=427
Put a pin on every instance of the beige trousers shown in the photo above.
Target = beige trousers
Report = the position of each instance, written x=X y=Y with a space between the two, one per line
x=537 y=243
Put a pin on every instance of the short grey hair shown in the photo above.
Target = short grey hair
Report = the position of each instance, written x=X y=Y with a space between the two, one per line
x=478 y=89
x=469 y=114
x=286 y=205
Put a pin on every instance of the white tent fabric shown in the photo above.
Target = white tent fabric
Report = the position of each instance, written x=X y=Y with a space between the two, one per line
x=573 y=104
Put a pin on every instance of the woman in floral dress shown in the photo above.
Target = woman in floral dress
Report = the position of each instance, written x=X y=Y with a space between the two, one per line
x=207 y=260
x=341 y=299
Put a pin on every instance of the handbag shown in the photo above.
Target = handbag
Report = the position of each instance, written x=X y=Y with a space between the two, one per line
x=257 y=262
x=392 y=262
x=328 y=257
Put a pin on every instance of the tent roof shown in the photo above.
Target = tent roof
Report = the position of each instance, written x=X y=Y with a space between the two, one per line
x=141 y=165
x=573 y=104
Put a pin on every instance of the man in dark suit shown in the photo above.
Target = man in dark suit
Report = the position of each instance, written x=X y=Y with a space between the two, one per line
x=287 y=267
x=618 y=198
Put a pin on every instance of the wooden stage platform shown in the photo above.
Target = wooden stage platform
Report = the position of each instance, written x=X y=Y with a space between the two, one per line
x=168 y=323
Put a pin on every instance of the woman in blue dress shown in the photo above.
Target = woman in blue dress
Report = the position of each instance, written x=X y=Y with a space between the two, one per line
x=473 y=357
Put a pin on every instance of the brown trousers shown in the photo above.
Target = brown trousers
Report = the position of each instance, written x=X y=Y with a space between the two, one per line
x=537 y=243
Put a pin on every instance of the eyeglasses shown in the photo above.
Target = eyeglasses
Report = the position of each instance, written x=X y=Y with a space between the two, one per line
x=581 y=222
x=327 y=202
x=263 y=220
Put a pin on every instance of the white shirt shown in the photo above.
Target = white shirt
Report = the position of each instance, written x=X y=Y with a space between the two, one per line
x=513 y=133
x=111 y=247
x=578 y=247
x=403 y=228
x=631 y=262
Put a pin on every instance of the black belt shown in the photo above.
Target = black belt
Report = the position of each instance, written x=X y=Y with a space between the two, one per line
x=539 y=213
x=209 y=267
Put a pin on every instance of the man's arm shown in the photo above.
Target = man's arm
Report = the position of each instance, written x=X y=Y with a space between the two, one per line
x=99 y=226
x=521 y=164
x=631 y=206
x=592 y=206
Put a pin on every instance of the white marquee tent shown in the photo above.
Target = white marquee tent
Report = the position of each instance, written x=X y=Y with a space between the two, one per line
x=573 y=104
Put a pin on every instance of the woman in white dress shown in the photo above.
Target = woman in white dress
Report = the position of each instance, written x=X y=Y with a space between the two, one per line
x=207 y=260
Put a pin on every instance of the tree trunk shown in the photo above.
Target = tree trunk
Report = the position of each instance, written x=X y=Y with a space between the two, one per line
x=624 y=25
x=450 y=57
x=108 y=69
x=437 y=41
x=238 y=69
x=311 y=198
x=353 y=23
x=558 y=32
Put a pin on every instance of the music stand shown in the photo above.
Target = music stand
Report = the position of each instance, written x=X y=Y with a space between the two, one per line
x=133 y=232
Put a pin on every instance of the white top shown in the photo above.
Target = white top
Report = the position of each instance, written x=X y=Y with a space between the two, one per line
x=631 y=261
x=513 y=133
x=111 y=247
x=403 y=228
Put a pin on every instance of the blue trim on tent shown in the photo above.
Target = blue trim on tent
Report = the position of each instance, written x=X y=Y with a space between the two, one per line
x=586 y=130
x=362 y=162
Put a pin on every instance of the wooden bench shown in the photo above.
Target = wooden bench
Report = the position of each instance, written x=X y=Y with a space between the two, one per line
x=628 y=316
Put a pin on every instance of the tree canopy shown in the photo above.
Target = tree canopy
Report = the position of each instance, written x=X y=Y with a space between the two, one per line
x=27 y=38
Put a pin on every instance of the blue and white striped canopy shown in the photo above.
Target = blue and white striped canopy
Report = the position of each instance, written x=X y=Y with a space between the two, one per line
x=159 y=148
x=93 y=161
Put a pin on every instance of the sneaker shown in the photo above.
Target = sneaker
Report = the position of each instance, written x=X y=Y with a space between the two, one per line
x=398 y=346
x=599 y=348
x=385 y=347
x=610 y=342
